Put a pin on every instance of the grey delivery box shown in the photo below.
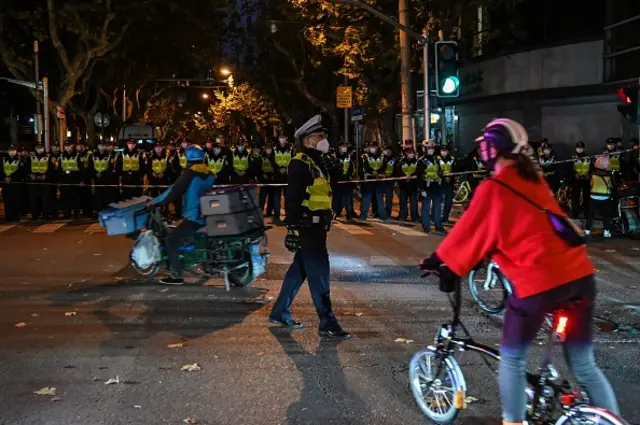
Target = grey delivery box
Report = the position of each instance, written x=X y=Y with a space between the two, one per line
x=229 y=200
x=234 y=224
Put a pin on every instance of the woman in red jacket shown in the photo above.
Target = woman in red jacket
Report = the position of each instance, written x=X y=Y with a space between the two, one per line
x=546 y=271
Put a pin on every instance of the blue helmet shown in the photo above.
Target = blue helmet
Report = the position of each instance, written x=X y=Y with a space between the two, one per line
x=194 y=153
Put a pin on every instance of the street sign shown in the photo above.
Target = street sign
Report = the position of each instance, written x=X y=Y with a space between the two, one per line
x=102 y=120
x=344 y=97
x=357 y=114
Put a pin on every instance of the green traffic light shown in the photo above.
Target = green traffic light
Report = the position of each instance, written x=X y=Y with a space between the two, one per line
x=450 y=85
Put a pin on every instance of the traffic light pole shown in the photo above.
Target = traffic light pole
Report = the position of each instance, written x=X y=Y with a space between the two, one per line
x=427 y=92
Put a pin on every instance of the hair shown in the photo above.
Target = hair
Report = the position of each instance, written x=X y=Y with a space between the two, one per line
x=526 y=167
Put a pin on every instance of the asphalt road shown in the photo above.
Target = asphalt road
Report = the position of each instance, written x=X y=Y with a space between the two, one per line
x=73 y=317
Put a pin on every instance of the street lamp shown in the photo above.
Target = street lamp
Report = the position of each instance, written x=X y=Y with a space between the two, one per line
x=225 y=71
x=205 y=96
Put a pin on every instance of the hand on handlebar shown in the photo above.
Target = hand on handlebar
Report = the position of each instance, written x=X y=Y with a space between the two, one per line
x=430 y=265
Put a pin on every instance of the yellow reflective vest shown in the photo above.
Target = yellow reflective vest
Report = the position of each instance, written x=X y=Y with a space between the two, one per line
x=614 y=163
x=346 y=162
x=10 y=166
x=131 y=162
x=600 y=185
x=183 y=160
x=267 y=167
x=215 y=165
x=446 y=165
x=391 y=163
x=581 y=166
x=479 y=167
x=159 y=165
x=39 y=165
x=101 y=164
x=240 y=163
x=409 y=168
x=70 y=165
x=431 y=170
x=375 y=163
x=283 y=158
x=318 y=195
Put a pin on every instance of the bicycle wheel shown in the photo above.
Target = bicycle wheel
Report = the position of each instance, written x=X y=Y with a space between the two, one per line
x=436 y=380
x=488 y=290
x=587 y=415
x=462 y=194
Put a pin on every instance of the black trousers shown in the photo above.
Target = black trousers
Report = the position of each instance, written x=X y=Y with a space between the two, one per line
x=102 y=195
x=132 y=179
x=605 y=208
x=174 y=239
x=11 y=194
x=41 y=202
x=580 y=189
x=70 y=200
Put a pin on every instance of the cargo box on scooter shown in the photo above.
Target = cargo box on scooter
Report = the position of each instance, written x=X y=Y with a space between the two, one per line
x=229 y=200
x=234 y=224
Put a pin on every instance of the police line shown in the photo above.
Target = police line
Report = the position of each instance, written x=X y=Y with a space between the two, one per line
x=365 y=180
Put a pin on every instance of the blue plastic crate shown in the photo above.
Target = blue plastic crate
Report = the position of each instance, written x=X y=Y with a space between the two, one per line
x=122 y=221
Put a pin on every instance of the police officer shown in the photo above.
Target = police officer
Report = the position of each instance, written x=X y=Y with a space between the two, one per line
x=173 y=161
x=218 y=163
x=283 y=153
x=240 y=163
x=408 y=188
x=615 y=159
x=12 y=176
x=580 y=181
x=266 y=175
x=115 y=159
x=41 y=169
x=547 y=163
x=185 y=142
x=601 y=195
x=86 y=197
x=447 y=163
x=634 y=161
x=133 y=168
x=387 y=186
x=479 y=170
x=430 y=186
x=55 y=176
x=100 y=164
x=308 y=221
x=374 y=167
x=25 y=198
x=158 y=171
x=344 y=191
x=71 y=180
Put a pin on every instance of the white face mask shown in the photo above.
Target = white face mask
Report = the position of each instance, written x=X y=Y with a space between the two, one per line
x=373 y=150
x=411 y=155
x=184 y=145
x=343 y=150
x=430 y=151
x=39 y=151
x=240 y=148
x=13 y=153
x=268 y=151
x=323 y=146
x=69 y=149
x=101 y=148
x=216 y=151
x=158 y=151
x=579 y=150
x=547 y=152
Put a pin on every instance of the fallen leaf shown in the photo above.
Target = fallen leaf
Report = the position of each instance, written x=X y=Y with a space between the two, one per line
x=358 y=314
x=97 y=254
x=191 y=367
x=46 y=391
x=635 y=249
x=470 y=399
x=610 y=250
x=176 y=345
x=137 y=406
x=269 y=298
x=164 y=290
x=403 y=340
x=34 y=314
x=260 y=353
x=633 y=287
x=113 y=381
x=56 y=399
x=20 y=325
x=80 y=241
x=216 y=357
x=70 y=313
x=45 y=249
x=190 y=421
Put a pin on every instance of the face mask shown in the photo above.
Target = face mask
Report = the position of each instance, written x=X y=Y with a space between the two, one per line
x=240 y=148
x=411 y=155
x=209 y=145
x=373 y=150
x=387 y=153
x=445 y=153
x=343 y=150
x=579 y=150
x=69 y=149
x=219 y=140
x=323 y=146
x=131 y=146
x=547 y=152
x=430 y=151
x=610 y=147
x=184 y=145
x=39 y=151
x=268 y=151
x=109 y=149
x=283 y=142
x=158 y=151
x=216 y=151
x=13 y=153
x=100 y=148
x=55 y=149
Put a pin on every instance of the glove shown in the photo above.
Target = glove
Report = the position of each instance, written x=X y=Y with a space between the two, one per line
x=423 y=193
x=292 y=240
x=430 y=265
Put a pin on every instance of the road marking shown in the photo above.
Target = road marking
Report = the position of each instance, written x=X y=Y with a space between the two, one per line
x=94 y=228
x=382 y=261
x=48 y=228
x=6 y=227
x=407 y=231
x=352 y=229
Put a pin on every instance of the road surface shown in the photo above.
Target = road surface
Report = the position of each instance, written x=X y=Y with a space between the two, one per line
x=73 y=317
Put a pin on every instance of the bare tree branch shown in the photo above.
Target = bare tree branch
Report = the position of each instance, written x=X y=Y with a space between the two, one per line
x=55 y=39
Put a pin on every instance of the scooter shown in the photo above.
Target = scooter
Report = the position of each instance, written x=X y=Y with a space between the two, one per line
x=627 y=220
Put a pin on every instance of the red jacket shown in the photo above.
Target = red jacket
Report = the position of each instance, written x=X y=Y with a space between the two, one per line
x=516 y=235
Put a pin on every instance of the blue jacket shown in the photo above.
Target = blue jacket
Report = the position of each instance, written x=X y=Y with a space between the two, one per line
x=191 y=184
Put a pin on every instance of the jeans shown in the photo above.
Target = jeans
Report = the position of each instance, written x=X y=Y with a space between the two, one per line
x=447 y=195
x=412 y=195
x=431 y=207
x=387 y=192
x=344 y=200
x=368 y=191
x=311 y=262
x=174 y=239
x=523 y=318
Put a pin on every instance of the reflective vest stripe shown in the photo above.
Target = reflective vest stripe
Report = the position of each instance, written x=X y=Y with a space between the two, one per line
x=215 y=165
x=581 y=167
x=39 y=165
x=159 y=165
x=240 y=163
x=283 y=158
x=10 y=167
x=131 y=163
x=346 y=162
x=101 y=164
x=388 y=172
x=319 y=193
x=374 y=163
x=409 y=169
x=70 y=164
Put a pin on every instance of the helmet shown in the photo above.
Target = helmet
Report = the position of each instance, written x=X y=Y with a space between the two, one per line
x=506 y=135
x=194 y=153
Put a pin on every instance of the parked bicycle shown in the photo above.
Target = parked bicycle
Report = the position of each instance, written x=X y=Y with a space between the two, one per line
x=439 y=386
x=462 y=192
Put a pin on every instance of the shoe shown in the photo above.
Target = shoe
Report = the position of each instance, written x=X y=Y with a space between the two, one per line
x=606 y=234
x=441 y=231
x=332 y=330
x=587 y=232
x=289 y=324
x=427 y=231
x=172 y=281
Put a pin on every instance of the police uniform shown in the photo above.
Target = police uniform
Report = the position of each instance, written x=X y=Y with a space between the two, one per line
x=240 y=172
x=217 y=163
x=373 y=167
x=85 y=192
x=266 y=175
x=548 y=166
x=580 y=182
x=158 y=170
x=12 y=176
x=54 y=178
x=133 y=170
x=115 y=159
x=100 y=164
x=344 y=191
x=616 y=163
x=408 y=167
x=71 y=176
x=390 y=164
x=479 y=171
x=308 y=220
x=430 y=186
x=447 y=165
x=283 y=153
x=40 y=170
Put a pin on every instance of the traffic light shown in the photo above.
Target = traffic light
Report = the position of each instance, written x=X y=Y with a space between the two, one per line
x=630 y=109
x=447 y=81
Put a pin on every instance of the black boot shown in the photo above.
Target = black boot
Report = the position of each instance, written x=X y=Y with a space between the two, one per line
x=332 y=330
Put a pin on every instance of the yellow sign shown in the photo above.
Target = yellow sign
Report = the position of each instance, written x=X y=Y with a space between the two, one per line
x=344 y=97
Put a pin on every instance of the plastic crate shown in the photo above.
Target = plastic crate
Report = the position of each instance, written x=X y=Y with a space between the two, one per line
x=125 y=220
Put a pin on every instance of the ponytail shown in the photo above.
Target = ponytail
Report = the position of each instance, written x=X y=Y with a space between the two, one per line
x=526 y=166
